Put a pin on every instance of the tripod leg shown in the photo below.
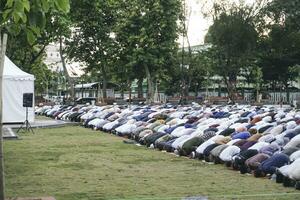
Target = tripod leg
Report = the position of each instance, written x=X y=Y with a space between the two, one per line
x=21 y=127
x=31 y=129
x=27 y=125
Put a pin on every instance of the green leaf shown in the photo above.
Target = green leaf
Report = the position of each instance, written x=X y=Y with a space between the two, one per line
x=22 y=16
x=30 y=36
x=14 y=29
x=37 y=19
x=63 y=5
x=26 y=5
x=6 y=13
x=41 y=20
x=16 y=17
x=19 y=7
x=36 y=30
x=32 y=18
x=9 y=3
x=45 y=5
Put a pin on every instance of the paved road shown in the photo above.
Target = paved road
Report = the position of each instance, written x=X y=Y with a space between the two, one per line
x=9 y=130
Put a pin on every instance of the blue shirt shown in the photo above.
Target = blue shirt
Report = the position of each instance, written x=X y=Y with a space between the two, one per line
x=277 y=160
x=241 y=135
x=270 y=149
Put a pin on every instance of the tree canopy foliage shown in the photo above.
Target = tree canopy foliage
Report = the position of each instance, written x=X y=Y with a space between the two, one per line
x=28 y=16
x=29 y=25
x=136 y=38
x=245 y=37
x=234 y=39
x=281 y=48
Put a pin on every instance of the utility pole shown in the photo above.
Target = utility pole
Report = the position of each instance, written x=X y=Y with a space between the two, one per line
x=3 y=42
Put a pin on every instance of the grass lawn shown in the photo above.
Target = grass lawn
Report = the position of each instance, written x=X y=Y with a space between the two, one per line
x=74 y=163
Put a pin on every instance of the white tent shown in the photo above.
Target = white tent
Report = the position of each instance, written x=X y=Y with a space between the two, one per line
x=15 y=84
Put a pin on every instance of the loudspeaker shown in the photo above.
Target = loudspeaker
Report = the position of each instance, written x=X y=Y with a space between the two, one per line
x=27 y=99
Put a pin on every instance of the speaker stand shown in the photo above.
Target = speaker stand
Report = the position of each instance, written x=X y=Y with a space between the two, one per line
x=26 y=125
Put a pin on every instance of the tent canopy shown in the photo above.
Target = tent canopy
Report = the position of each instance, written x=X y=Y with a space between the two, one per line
x=15 y=84
x=11 y=71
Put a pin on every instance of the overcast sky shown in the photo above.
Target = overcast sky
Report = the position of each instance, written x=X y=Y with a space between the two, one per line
x=198 y=25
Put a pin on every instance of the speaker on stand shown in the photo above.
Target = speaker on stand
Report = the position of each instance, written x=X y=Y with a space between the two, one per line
x=27 y=103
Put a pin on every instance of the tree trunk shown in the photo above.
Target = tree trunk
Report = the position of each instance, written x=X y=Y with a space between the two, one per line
x=3 y=43
x=287 y=93
x=104 y=88
x=150 y=92
x=140 y=88
x=257 y=96
x=232 y=93
x=70 y=80
x=99 y=91
x=129 y=91
x=187 y=88
x=231 y=89
x=122 y=92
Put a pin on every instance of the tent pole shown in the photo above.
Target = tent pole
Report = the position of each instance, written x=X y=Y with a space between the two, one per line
x=3 y=42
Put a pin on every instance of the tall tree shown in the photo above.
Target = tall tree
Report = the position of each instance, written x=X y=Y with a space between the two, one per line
x=147 y=37
x=279 y=57
x=234 y=38
x=193 y=67
x=93 y=36
x=127 y=30
x=280 y=54
x=158 y=47
x=59 y=28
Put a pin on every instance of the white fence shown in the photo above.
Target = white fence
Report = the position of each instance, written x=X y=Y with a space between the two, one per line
x=274 y=97
x=160 y=98
x=93 y=93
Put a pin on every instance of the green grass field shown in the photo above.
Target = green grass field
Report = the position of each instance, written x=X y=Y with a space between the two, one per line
x=74 y=163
